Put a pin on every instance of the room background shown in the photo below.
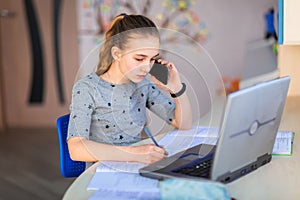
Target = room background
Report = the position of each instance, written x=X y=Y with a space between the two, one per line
x=227 y=27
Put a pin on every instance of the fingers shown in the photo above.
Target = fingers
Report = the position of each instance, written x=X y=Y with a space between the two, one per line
x=166 y=153
x=173 y=72
x=166 y=63
x=159 y=149
x=154 y=154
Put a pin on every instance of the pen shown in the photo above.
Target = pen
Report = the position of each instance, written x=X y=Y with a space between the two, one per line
x=147 y=131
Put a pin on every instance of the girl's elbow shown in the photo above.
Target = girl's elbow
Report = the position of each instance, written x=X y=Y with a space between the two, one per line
x=185 y=127
x=73 y=149
x=182 y=126
x=74 y=156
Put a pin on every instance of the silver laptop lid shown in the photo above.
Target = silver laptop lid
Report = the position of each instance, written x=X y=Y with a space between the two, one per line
x=250 y=124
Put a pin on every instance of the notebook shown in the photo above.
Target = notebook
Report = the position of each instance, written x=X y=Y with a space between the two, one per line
x=251 y=119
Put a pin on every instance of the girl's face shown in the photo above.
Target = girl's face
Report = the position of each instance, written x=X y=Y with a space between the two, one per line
x=138 y=57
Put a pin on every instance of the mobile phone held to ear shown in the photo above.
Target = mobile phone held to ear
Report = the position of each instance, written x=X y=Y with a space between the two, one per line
x=160 y=72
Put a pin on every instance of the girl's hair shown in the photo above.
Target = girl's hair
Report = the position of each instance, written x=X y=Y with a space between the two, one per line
x=122 y=28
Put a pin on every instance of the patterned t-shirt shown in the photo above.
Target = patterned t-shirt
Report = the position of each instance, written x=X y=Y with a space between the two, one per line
x=115 y=114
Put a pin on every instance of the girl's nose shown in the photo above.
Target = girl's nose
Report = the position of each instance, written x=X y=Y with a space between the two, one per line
x=147 y=66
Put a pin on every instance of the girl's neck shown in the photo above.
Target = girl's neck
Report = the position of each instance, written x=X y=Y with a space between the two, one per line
x=114 y=75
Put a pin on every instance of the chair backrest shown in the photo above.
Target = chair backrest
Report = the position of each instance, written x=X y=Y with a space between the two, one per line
x=68 y=167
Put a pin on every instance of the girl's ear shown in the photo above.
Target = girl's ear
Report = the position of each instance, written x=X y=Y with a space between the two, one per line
x=116 y=53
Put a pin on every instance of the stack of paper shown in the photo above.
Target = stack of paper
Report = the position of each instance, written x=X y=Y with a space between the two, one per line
x=104 y=194
x=178 y=140
x=120 y=180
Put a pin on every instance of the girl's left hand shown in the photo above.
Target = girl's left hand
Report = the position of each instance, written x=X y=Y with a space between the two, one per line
x=174 y=83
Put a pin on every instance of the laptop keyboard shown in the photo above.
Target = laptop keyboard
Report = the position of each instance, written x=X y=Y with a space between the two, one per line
x=199 y=169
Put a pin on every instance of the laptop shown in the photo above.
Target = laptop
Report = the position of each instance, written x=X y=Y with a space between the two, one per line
x=247 y=134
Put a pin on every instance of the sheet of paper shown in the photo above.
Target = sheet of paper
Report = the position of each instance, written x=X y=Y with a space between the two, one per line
x=103 y=194
x=115 y=166
x=121 y=181
x=283 y=143
x=178 y=140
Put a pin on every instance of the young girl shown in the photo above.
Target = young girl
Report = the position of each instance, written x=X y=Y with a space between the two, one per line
x=108 y=109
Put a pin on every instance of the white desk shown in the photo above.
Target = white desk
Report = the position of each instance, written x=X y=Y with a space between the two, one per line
x=277 y=180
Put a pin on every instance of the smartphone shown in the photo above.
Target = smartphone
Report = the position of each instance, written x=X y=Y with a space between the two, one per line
x=160 y=72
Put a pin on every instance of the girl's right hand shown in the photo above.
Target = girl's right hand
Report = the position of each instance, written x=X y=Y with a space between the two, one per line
x=174 y=83
x=148 y=153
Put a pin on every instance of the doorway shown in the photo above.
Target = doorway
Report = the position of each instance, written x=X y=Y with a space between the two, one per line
x=30 y=95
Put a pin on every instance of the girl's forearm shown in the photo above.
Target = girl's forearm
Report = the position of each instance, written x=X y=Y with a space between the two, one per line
x=183 y=112
x=85 y=150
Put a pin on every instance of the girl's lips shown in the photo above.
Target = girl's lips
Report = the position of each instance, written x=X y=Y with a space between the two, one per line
x=141 y=76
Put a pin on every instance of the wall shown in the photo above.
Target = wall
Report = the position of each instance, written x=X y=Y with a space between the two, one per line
x=289 y=64
x=233 y=24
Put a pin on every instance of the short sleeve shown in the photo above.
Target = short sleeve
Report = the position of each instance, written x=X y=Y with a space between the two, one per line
x=81 y=110
x=160 y=104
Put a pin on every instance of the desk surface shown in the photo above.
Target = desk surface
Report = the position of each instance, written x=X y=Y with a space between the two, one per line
x=277 y=180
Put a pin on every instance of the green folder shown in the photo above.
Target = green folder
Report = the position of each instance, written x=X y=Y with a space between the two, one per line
x=283 y=145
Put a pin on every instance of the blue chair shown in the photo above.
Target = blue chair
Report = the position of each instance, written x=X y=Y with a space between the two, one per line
x=68 y=167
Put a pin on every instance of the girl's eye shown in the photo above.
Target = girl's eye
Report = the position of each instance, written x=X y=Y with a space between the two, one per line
x=139 y=59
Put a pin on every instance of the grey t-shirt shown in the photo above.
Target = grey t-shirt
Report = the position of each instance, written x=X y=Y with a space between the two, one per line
x=115 y=114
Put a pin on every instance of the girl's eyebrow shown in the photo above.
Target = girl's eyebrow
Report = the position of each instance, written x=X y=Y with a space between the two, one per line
x=156 y=55
x=146 y=55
